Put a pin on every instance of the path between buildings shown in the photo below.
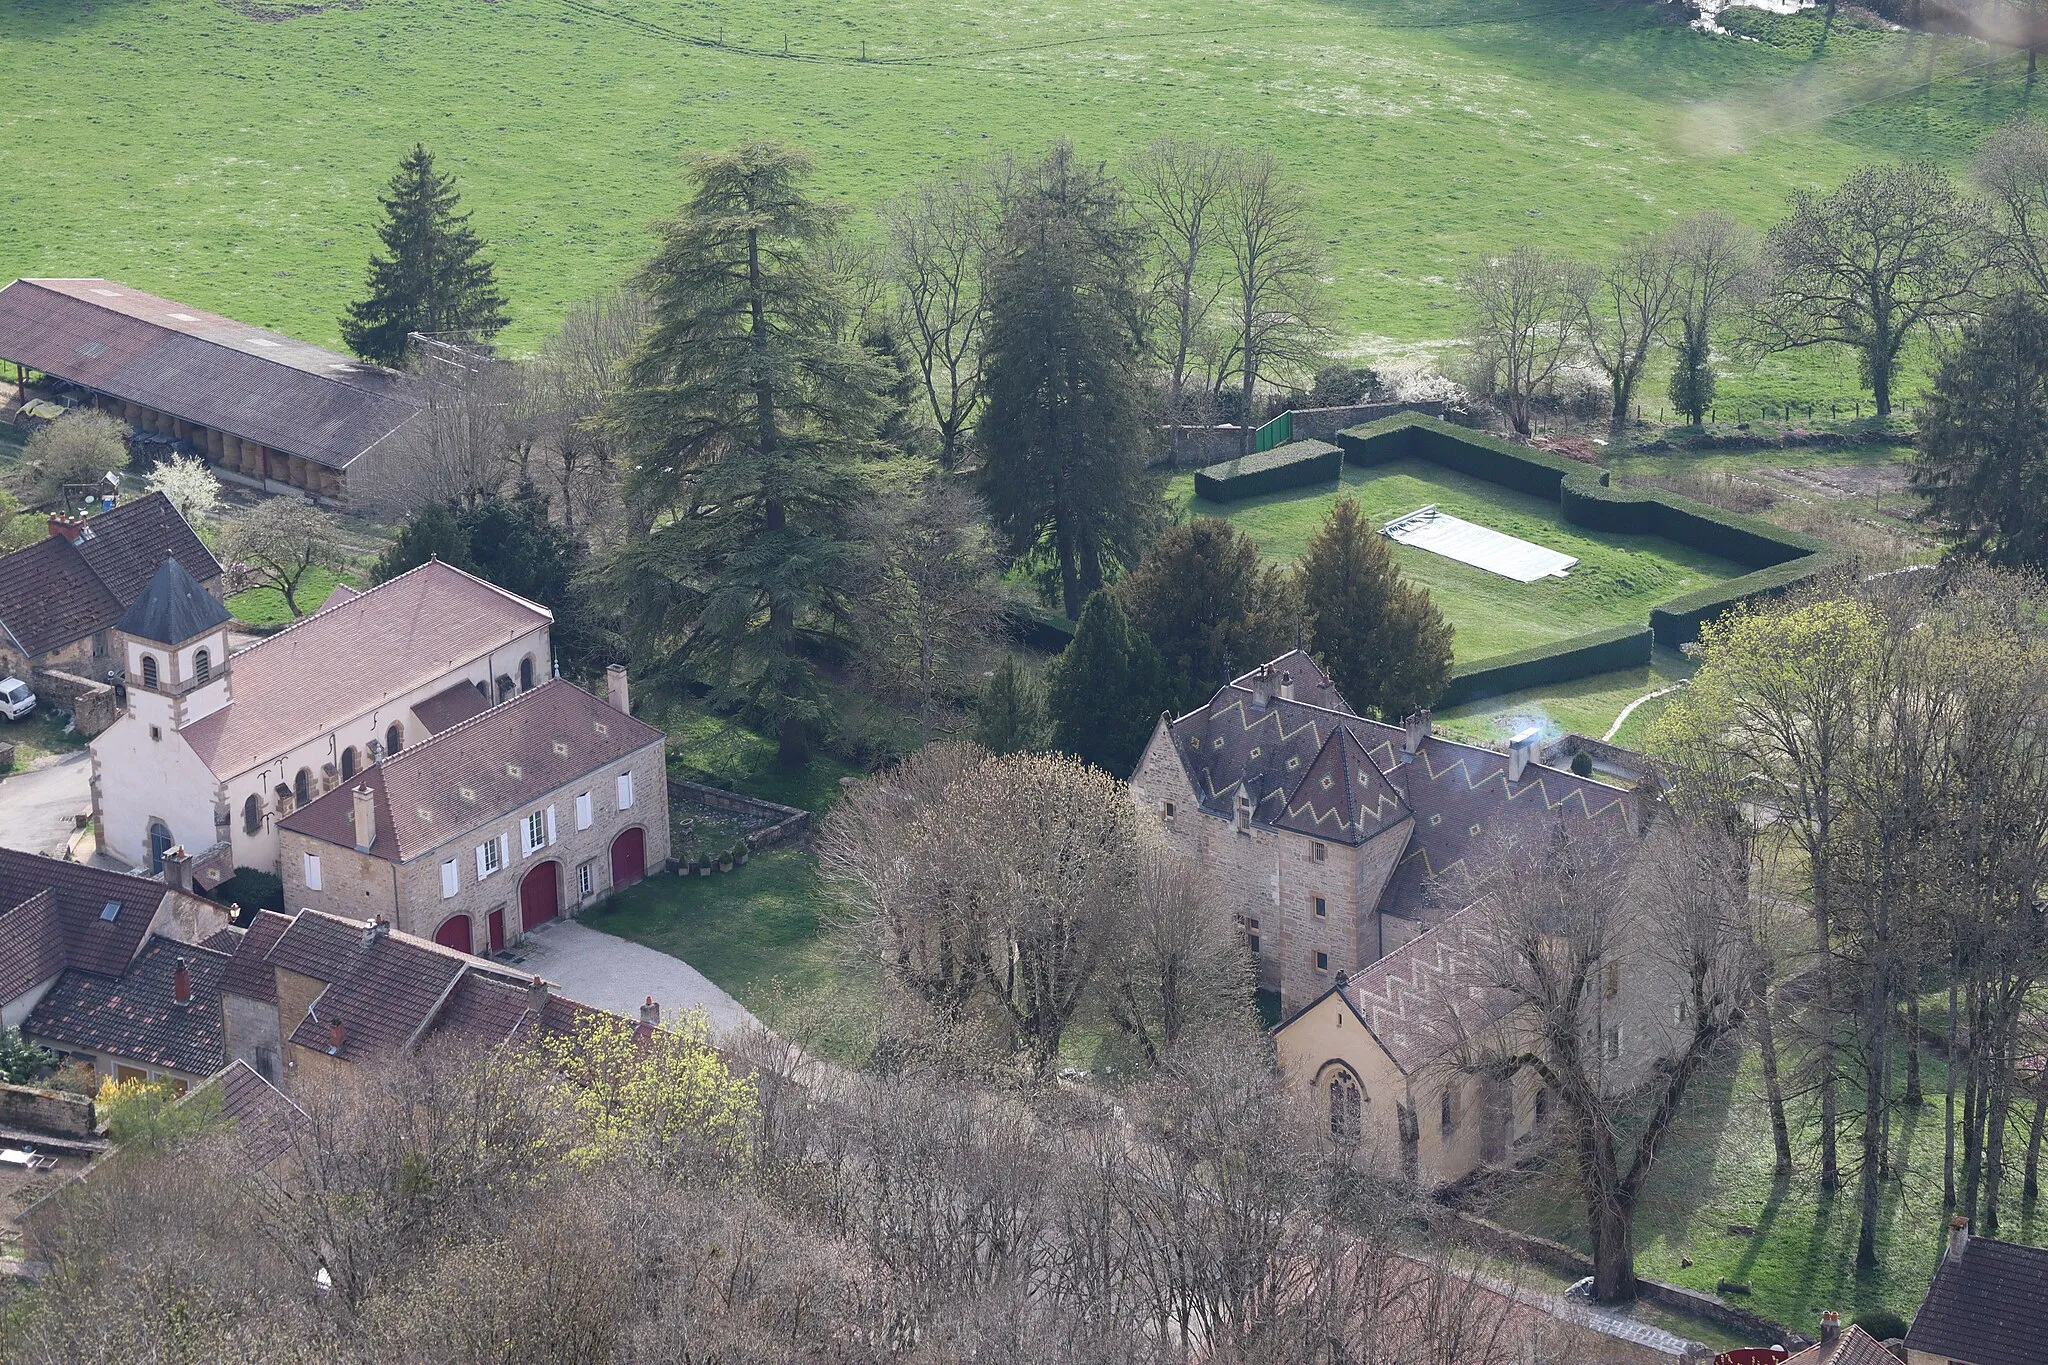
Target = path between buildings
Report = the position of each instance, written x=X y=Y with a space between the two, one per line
x=617 y=975
x=38 y=806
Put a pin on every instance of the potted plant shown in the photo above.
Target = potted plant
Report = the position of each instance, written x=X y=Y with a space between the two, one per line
x=739 y=854
x=725 y=861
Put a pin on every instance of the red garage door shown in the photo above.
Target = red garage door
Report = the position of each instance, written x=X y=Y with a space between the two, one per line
x=629 y=857
x=454 y=933
x=540 y=895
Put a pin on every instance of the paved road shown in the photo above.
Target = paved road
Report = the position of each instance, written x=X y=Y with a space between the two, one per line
x=616 y=975
x=37 y=806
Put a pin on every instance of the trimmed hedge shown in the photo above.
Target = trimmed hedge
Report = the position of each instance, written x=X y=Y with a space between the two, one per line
x=1678 y=621
x=1782 y=559
x=1040 y=630
x=1581 y=656
x=1285 y=466
x=1411 y=436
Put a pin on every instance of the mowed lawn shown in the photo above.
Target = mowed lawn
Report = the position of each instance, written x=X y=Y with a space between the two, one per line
x=230 y=154
x=1617 y=579
x=1587 y=706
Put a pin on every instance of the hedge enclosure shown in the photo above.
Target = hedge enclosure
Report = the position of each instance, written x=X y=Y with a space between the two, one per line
x=1581 y=656
x=1287 y=466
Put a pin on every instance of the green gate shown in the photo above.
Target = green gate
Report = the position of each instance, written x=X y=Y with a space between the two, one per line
x=1277 y=432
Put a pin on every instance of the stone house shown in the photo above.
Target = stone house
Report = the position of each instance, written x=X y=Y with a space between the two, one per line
x=493 y=827
x=306 y=996
x=158 y=1021
x=1985 y=1306
x=1329 y=832
x=60 y=920
x=213 y=750
x=61 y=597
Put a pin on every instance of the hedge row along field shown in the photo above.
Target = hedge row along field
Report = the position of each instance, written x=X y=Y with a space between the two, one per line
x=1294 y=465
x=1779 y=559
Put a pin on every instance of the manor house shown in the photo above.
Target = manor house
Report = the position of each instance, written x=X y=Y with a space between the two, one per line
x=213 y=750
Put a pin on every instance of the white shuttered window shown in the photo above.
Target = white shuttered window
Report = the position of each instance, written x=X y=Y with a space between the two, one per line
x=312 y=872
x=625 y=791
x=583 y=811
x=451 y=879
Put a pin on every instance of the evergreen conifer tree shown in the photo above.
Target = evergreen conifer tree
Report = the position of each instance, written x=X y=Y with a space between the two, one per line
x=1983 y=458
x=745 y=418
x=1105 y=691
x=1383 y=641
x=1205 y=596
x=1010 y=714
x=1064 y=426
x=434 y=277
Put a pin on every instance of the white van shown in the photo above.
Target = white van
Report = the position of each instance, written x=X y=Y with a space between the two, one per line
x=16 y=701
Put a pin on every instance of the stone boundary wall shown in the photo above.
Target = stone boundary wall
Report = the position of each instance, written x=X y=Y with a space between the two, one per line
x=1558 y=753
x=38 y=1110
x=1200 y=446
x=90 y=703
x=1501 y=1241
x=788 y=820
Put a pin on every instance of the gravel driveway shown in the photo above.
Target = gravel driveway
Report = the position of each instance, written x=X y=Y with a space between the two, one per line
x=617 y=975
x=37 y=806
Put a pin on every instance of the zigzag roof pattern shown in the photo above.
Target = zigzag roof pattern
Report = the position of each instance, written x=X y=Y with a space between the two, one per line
x=1278 y=751
x=1405 y=997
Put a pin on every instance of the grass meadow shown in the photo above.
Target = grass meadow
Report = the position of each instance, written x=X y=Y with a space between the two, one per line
x=1617 y=579
x=230 y=154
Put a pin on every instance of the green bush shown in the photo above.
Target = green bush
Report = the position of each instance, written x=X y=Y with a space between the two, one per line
x=1582 y=764
x=1289 y=466
x=1677 y=622
x=1581 y=656
x=1411 y=436
x=1882 y=1323
x=252 y=889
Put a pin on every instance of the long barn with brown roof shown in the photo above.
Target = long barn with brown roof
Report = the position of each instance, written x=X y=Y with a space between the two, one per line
x=264 y=409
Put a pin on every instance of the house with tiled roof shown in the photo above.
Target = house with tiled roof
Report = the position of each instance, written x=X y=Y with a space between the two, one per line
x=213 y=750
x=1331 y=833
x=1988 y=1304
x=160 y=1020
x=308 y=993
x=62 y=920
x=61 y=597
x=494 y=826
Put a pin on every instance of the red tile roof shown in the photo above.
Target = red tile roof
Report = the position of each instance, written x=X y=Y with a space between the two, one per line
x=31 y=944
x=263 y=1115
x=258 y=385
x=54 y=592
x=451 y=706
x=448 y=784
x=1853 y=1346
x=135 y=1017
x=92 y=942
x=350 y=658
x=249 y=974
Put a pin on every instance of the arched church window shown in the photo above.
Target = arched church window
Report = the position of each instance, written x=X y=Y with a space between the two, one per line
x=394 y=739
x=252 y=814
x=1347 y=1108
x=348 y=762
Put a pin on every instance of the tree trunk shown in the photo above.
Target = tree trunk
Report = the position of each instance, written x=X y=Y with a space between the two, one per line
x=2030 y=1183
x=1913 y=1095
x=1997 y=1119
x=1824 y=1005
x=1614 y=1251
x=1873 y=1130
x=1948 y=1145
x=1774 y=1090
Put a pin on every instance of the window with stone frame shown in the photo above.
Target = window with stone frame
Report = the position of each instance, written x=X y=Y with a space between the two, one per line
x=534 y=831
x=1347 y=1108
x=1322 y=907
x=1322 y=962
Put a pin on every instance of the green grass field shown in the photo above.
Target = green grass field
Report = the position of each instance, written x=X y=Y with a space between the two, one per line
x=229 y=154
x=1617 y=579
x=1716 y=1172
x=1587 y=707
x=266 y=606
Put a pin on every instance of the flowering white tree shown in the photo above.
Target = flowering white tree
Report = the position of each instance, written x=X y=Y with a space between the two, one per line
x=183 y=480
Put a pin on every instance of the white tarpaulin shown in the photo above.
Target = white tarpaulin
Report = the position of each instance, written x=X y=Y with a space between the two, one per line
x=1480 y=546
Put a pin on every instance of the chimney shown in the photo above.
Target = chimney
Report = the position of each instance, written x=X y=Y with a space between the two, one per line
x=1520 y=749
x=1287 y=687
x=1262 y=686
x=68 y=527
x=366 y=818
x=615 y=689
x=181 y=984
x=178 y=867
x=1830 y=1325
x=1958 y=1236
x=537 y=995
x=337 y=1034
x=1416 y=724
x=374 y=929
x=650 y=1012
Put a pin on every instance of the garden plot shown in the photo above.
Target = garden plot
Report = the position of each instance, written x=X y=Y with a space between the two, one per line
x=1482 y=547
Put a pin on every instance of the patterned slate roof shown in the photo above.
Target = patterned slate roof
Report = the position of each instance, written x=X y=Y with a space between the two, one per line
x=487 y=767
x=1279 y=754
x=91 y=942
x=135 y=1018
x=1986 y=1306
x=54 y=592
x=227 y=375
x=1403 y=997
x=348 y=659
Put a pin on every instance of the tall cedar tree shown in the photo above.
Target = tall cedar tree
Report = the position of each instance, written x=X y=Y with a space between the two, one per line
x=1105 y=692
x=1983 y=457
x=436 y=277
x=1064 y=426
x=1386 y=645
x=745 y=418
x=1210 y=603
x=1010 y=713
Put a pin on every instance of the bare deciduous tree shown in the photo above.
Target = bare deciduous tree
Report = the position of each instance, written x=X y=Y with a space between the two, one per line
x=462 y=447
x=278 y=542
x=1177 y=962
x=1716 y=262
x=1524 y=328
x=2012 y=169
x=1275 y=289
x=581 y=368
x=1625 y=309
x=938 y=240
x=1180 y=188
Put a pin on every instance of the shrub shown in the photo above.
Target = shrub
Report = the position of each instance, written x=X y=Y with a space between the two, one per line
x=1582 y=764
x=252 y=889
x=1882 y=1323
x=23 y=1062
x=1289 y=466
x=1678 y=621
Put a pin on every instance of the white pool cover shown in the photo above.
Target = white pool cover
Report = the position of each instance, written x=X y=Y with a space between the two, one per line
x=1480 y=546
